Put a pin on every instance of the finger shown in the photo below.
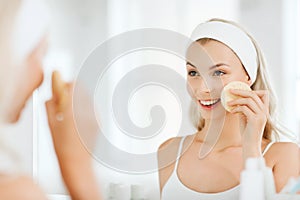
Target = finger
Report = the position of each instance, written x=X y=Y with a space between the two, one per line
x=243 y=110
x=249 y=94
x=58 y=88
x=56 y=85
x=264 y=96
x=249 y=102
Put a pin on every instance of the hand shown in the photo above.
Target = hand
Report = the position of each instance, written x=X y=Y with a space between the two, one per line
x=60 y=119
x=253 y=107
x=74 y=160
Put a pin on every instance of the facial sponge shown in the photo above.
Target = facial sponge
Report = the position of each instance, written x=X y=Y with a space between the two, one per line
x=227 y=96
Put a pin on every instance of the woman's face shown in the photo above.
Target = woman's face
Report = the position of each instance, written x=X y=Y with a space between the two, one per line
x=30 y=78
x=213 y=71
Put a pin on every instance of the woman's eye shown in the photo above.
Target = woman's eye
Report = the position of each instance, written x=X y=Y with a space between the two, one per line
x=218 y=73
x=193 y=73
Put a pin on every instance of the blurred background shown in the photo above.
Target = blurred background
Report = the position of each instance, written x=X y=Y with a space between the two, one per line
x=78 y=26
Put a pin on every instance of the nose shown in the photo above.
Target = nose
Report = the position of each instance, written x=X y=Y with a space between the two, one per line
x=201 y=88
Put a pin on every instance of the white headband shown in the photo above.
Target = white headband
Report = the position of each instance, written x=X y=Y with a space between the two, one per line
x=30 y=27
x=235 y=38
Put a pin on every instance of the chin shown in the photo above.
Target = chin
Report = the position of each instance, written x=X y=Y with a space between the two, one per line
x=13 y=120
x=13 y=117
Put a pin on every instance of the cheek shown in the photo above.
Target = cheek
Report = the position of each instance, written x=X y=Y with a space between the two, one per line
x=34 y=66
x=32 y=78
x=36 y=77
x=238 y=75
x=219 y=90
x=214 y=85
x=191 y=87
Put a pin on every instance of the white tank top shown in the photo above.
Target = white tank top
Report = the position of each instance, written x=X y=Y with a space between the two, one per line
x=174 y=189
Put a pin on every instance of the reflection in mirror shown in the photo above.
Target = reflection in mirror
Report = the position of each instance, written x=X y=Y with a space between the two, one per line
x=77 y=29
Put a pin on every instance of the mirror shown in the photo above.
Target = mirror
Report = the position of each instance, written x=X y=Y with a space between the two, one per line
x=77 y=28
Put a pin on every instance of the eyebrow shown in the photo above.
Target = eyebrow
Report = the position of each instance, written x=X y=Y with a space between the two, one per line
x=212 y=67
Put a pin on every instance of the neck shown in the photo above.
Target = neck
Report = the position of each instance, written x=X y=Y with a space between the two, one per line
x=221 y=133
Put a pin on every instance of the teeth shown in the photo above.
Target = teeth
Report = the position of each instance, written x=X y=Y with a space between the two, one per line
x=210 y=102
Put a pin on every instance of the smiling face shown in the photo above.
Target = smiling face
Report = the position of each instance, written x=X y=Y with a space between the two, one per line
x=206 y=79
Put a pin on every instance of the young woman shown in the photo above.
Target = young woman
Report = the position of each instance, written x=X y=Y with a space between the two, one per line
x=207 y=164
x=21 y=73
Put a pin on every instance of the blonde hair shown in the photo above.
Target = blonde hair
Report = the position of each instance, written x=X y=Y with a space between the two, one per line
x=272 y=129
x=8 y=12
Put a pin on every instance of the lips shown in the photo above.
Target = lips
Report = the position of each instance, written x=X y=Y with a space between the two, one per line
x=209 y=103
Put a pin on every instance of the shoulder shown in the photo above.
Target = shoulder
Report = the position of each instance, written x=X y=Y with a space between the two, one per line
x=25 y=187
x=284 y=149
x=172 y=141
x=166 y=159
x=285 y=160
x=287 y=153
x=170 y=147
x=167 y=151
